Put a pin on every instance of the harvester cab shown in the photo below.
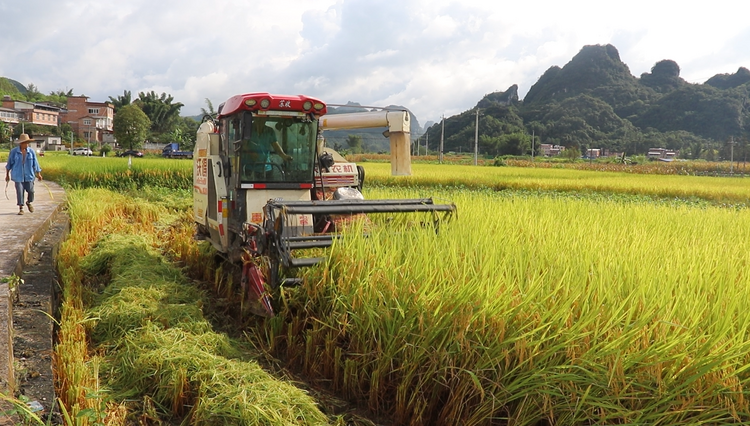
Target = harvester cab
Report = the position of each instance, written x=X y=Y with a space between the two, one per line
x=264 y=186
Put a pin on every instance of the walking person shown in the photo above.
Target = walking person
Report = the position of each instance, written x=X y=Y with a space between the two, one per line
x=21 y=167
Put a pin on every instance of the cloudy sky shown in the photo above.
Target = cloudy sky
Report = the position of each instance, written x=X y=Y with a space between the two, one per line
x=436 y=57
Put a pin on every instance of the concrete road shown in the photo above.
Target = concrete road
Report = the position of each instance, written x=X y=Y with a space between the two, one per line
x=17 y=235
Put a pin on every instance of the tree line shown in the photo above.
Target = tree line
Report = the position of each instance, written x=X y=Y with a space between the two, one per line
x=148 y=117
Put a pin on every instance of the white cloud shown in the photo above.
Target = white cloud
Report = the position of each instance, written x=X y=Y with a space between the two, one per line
x=433 y=56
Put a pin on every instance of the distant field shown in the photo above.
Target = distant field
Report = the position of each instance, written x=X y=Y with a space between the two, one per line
x=118 y=173
x=113 y=172
x=717 y=189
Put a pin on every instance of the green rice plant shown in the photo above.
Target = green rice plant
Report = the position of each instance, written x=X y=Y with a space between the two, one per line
x=534 y=308
x=116 y=174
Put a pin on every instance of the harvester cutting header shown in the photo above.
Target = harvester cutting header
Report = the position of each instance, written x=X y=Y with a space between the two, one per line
x=265 y=185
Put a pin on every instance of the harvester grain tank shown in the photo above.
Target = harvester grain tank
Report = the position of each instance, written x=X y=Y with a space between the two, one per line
x=264 y=186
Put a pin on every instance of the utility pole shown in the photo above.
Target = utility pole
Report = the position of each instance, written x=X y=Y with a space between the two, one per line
x=442 y=136
x=731 y=155
x=476 y=138
x=532 y=145
x=426 y=143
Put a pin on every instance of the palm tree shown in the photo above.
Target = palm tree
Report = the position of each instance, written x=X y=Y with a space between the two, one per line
x=160 y=110
x=121 y=101
x=210 y=111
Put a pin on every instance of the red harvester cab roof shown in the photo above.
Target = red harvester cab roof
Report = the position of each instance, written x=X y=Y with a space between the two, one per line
x=266 y=102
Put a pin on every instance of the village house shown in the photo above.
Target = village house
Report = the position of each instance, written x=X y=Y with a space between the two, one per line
x=10 y=116
x=549 y=150
x=16 y=113
x=49 y=143
x=661 y=154
x=91 y=121
x=593 y=153
x=29 y=112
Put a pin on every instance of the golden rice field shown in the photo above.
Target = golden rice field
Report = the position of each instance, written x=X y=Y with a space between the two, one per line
x=732 y=190
x=533 y=309
x=545 y=301
x=115 y=173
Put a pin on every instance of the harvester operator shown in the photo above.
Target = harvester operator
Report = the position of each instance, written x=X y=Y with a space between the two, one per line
x=262 y=139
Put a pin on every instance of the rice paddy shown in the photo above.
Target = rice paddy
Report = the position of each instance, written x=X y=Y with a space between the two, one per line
x=726 y=189
x=118 y=173
x=537 y=309
x=555 y=297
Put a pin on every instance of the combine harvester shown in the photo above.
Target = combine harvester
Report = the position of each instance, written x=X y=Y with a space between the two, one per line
x=264 y=185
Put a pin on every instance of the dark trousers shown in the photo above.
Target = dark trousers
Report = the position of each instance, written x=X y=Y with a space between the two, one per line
x=28 y=187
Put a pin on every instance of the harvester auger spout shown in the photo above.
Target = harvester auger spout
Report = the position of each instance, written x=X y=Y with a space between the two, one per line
x=262 y=147
x=278 y=212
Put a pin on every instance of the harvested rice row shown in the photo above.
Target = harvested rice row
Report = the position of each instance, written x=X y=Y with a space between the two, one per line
x=151 y=351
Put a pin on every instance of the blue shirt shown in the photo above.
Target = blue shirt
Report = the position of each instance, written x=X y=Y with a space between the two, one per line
x=260 y=149
x=20 y=170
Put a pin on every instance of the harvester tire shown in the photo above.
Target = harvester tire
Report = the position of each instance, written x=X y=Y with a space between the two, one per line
x=361 y=172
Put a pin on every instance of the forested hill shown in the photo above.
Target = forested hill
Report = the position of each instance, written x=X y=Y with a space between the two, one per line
x=11 y=86
x=595 y=102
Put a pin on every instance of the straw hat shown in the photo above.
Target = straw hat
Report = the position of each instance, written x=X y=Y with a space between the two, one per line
x=23 y=138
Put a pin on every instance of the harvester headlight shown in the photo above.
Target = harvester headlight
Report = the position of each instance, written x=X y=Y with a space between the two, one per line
x=265 y=103
x=251 y=102
x=307 y=105
x=319 y=106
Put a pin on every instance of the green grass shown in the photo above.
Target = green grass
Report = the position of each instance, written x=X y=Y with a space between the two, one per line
x=116 y=173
